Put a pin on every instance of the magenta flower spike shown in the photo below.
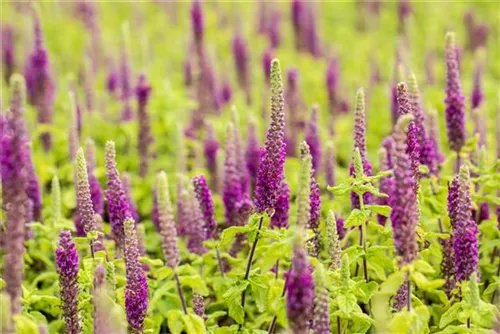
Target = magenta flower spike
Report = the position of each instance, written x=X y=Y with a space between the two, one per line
x=403 y=199
x=315 y=215
x=273 y=160
x=14 y=182
x=412 y=140
x=360 y=144
x=67 y=262
x=8 y=51
x=118 y=204
x=33 y=187
x=242 y=63
x=206 y=203
x=465 y=243
x=232 y=191
x=266 y=59
x=455 y=109
x=332 y=85
x=197 y=21
x=145 y=138
x=300 y=289
x=40 y=83
x=477 y=95
x=282 y=207
x=127 y=188
x=313 y=140
x=136 y=290
x=211 y=147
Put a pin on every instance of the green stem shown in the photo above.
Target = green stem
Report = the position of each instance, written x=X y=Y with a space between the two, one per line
x=221 y=268
x=181 y=294
x=250 y=260
x=363 y=239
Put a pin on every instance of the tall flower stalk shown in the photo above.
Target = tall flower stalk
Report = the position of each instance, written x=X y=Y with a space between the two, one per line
x=455 y=108
x=403 y=200
x=143 y=92
x=67 y=267
x=272 y=161
x=136 y=290
x=168 y=230
x=14 y=181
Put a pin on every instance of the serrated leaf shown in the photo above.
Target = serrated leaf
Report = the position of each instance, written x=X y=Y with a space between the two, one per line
x=340 y=190
x=383 y=210
x=233 y=300
x=356 y=218
x=175 y=321
x=392 y=284
x=450 y=315
x=196 y=283
x=229 y=234
x=193 y=324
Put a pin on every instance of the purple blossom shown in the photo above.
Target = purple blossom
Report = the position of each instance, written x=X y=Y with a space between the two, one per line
x=282 y=207
x=125 y=85
x=127 y=188
x=448 y=265
x=465 y=243
x=143 y=92
x=210 y=147
x=315 y=215
x=166 y=221
x=40 y=83
x=197 y=232
x=95 y=186
x=299 y=20
x=67 y=262
x=204 y=197
x=225 y=93
x=403 y=199
x=273 y=160
x=313 y=140
x=477 y=95
x=300 y=291
x=341 y=231
x=199 y=305
x=112 y=81
x=231 y=192
x=360 y=144
x=118 y=204
x=8 y=51
x=321 y=321
x=330 y=160
x=14 y=182
x=136 y=290
x=431 y=154
x=455 y=110
x=332 y=85
x=197 y=21
x=274 y=29
x=86 y=215
x=33 y=187
x=241 y=60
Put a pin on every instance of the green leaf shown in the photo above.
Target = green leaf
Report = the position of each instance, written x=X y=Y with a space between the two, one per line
x=175 y=321
x=196 y=283
x=347 y=303
x=260 y=289
x=233 y=301
x=151 y=262
x=383 y=210
x=341 y=189
x=356 y=218
x=423 y=283
x=450 y=315
x=25 y=325
x=392 y=284
x=212 y=317
x=193 y=324
x=229 y=234
x=163 y=273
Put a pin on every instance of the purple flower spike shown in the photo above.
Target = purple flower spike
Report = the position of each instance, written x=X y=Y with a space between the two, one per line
x=300 y=289
x=332 y=85
x=136 y=290
x=330 y=161
x=143 y=92
x=40 y=83
x=313 y=140
x=295 y=110
x=315 y=207
x=412 y=140
x=125 y=85
x=118 y=205
x=281 y=212
x=403 y=199
x=360 y=144
x=253 y=153
x=465 y=243
x=197 y=21
x=232 y=192
x=448 y=265
x=33 y=187
x=241 y=60
x=477 y=91
x=321 y=321
x=455 y=110
x=86 y=214
x=210 y=147
x=67 y=262
x=274 y=29
x=197 y=233
x=8 y=54
x=206 y=203
x=431 y=153
x=273 y=160
x=166 y=221
x=14 y=182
